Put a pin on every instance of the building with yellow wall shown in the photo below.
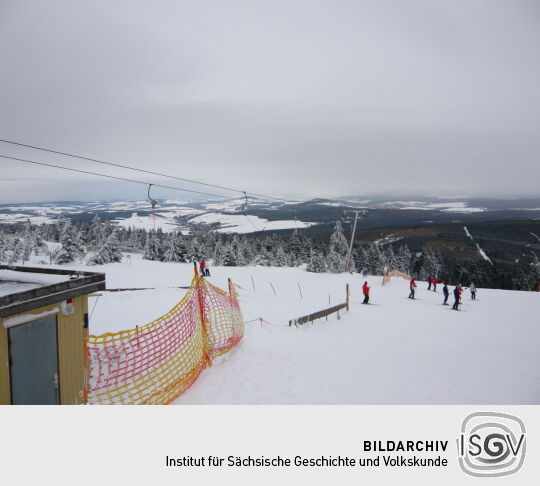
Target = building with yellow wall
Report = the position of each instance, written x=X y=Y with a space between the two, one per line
x=43 y=324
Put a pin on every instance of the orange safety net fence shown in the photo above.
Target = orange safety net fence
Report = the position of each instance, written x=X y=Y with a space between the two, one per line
x=394 y=273
x=155 y=363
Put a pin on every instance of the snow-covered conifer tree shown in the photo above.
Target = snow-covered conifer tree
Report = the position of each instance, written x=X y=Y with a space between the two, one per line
x=196 y=250
x=229 y=256
x=317 y=262
x=294 y=250
x=219 y=253
x=176 y=250
x=96 y=231
x=71 y=246
x=404 y=259
x=280 y=258
x=338 y=242
x=153 y=249
x=108 y=253
x=261 y=257
x=390 y=258
x=335 y=263
x=430 y=264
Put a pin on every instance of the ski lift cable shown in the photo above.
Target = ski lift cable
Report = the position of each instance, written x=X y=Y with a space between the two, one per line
x=111 y=176
x=152 y=201
x=123 y=166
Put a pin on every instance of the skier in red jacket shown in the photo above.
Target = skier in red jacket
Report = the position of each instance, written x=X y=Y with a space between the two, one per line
x=412 y=286
x=434 y=281
x=365 y=291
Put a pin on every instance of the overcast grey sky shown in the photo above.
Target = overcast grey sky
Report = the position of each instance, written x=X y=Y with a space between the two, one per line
x=305 y=98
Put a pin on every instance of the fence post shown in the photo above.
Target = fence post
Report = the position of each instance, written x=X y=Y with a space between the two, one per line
x=347 y=301
x=195 y=269
x=206 y=343
x=86 y=359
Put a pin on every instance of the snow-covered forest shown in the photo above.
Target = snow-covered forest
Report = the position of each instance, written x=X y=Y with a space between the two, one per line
x=102 y=242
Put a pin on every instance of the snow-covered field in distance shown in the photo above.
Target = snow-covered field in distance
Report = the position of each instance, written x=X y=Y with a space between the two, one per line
x=396 y=351
x=239 y=223
x=451 y=207
x=227 y=216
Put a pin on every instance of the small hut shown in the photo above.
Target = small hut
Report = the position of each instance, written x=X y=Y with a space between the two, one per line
x=43 y=323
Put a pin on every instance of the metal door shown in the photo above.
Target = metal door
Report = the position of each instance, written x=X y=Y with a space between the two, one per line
x=33 y=353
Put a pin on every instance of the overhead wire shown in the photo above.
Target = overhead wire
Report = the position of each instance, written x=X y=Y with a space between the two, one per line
x=123 y=166
x=152 y=201
x=45 y=164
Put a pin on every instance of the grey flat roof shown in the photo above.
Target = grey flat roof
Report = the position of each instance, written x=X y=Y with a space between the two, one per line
x=27 y=288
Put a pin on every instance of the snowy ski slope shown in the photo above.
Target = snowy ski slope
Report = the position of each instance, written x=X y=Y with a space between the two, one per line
x=396 y=351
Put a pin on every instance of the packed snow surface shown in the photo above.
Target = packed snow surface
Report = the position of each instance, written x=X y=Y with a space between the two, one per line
x=396 y=351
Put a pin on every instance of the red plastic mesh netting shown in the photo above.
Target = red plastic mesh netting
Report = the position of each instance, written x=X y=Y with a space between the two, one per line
x=156 y=363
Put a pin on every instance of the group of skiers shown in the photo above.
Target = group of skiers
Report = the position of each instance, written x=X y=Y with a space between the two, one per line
x=432 y=282
x=458 y=290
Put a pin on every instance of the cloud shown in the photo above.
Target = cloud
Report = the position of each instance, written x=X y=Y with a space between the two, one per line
x=319 y=99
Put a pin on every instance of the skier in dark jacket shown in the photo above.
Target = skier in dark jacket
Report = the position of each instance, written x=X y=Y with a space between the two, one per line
x=446 y=293
x=429 y=281
x=457 y=294
x=365 y=291
x=412 y=286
